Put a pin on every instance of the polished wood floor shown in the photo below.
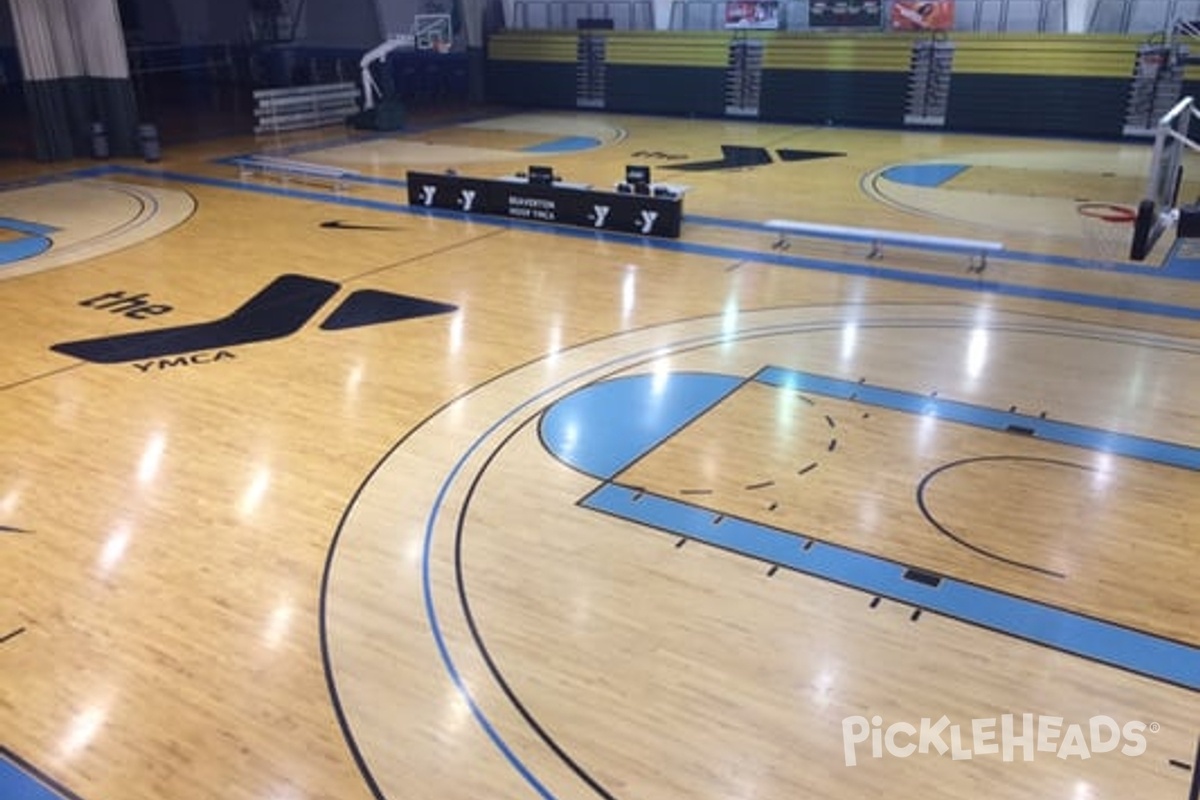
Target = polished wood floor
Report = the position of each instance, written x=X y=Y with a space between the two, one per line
x=320 y=558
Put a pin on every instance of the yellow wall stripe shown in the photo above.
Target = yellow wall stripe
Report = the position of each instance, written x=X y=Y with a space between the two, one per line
x=1083 y=56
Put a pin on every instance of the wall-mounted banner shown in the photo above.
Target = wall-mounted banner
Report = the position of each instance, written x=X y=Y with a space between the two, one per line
x=922 y=15
x=845 y=14
x=754 y=14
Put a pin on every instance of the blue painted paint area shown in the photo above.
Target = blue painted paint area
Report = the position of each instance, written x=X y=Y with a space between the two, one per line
x=927 y=175
x=18 y=784
x=1128 y=649
x=20 y=249
x=34 y=240
x=565 y=144
x=1175 y=455
x=603 y=427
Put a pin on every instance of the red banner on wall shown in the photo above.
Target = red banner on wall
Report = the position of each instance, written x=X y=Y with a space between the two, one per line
x=922 y=15
x=758 y=14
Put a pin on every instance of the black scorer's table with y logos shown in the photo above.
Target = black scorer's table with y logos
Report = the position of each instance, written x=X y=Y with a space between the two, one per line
x=558 y=203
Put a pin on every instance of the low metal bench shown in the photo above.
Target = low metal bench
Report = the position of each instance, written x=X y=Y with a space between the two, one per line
x=287 y=168
x=977 y=249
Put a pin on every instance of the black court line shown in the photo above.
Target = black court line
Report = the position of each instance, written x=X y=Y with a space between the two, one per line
x=1194 y=794
x=922 y=577
x=12 y=634
x=756 y=486
x=957 y=538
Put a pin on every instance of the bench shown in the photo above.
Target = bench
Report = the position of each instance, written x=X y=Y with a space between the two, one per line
x=301 y=107
x=977 y=249
x=286 y=168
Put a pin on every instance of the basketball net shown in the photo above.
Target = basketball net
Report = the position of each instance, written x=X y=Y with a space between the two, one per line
x=1106 y=230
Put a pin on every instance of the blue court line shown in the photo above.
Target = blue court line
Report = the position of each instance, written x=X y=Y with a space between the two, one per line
x=970 y=284
x=1142 y=653
x=926 y=175
x=1105 y=441
x=1176 y=265
x=17 y=783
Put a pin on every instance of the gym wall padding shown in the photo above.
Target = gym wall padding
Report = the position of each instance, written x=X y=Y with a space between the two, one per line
x=526 y=68
x=1065 y=85
x=680 y=74
x=846 y=81
x=1074 y=85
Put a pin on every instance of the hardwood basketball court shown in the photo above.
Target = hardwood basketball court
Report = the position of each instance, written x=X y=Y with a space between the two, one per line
x=309 y=494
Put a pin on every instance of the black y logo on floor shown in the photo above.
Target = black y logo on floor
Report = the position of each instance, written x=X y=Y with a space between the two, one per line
x=279 y=310
x=739 y=157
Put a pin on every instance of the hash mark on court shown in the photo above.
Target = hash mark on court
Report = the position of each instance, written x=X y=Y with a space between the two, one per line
x=12 y=634
x=695 y=491
x=755 y=486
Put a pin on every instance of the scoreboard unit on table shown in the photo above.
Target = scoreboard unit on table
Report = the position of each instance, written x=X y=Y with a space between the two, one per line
x=656 y=212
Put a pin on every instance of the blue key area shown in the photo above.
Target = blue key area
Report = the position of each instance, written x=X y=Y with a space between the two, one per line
x=605 y=426
x=565 y=144
x=18 y=784
x=33 y=241
x=1138 y=447
x=926 y=175
x=1128 y=649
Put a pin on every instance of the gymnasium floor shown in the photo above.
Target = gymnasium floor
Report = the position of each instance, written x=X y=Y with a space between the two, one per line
x=307 y=494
